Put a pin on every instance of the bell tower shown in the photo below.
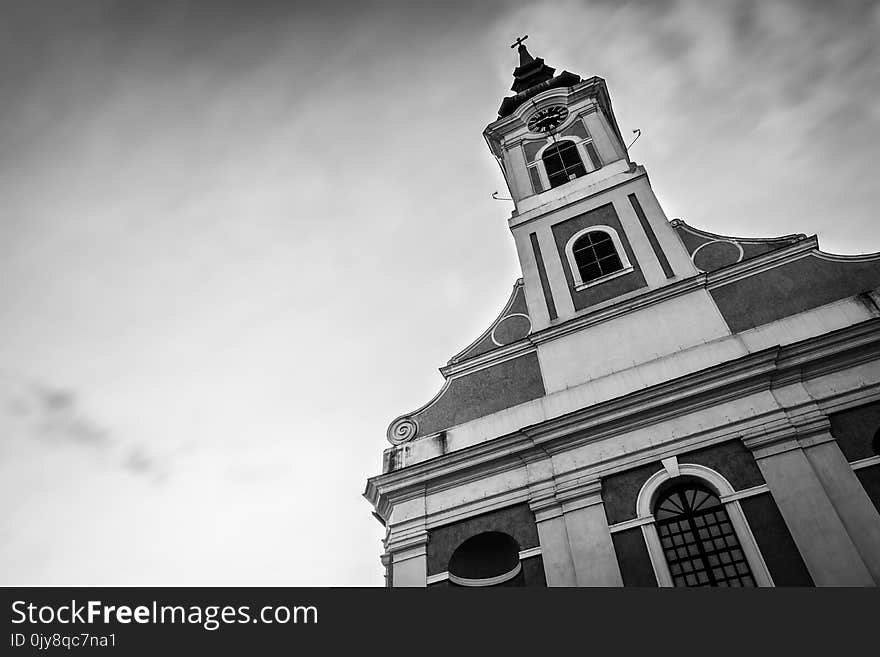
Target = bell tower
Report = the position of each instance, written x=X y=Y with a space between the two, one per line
x=587 y=226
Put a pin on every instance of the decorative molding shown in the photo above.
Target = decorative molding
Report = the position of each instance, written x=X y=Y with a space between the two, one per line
x=402 y=430
x=517 y=286
x=730 y=241
x=477 y=507
x=764 y=442
x=523 y=555
x=530 y=552
x=842 y=257
x=675 y=223
x=439 y=577
x=865 y=463
x=670 y=464
x=487 y=581
x=618 y=309
x=629 y=524
x=770 y=260
x=603 y=279
x=547 y=208
x=503 y=319
x=488 y=359
x=731 y=380
x=411 y=543
x=760 y=489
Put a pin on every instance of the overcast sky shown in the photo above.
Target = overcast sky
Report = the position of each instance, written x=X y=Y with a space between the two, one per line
x=238 y=238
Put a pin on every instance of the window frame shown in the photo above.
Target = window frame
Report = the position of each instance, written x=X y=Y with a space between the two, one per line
x=579 y=283
x=581 y=145
x=724 y=490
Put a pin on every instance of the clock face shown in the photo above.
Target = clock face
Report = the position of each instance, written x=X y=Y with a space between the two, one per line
x=547 y=119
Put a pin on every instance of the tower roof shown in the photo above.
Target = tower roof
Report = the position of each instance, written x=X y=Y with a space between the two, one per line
x=531 y=77
x=530 y=71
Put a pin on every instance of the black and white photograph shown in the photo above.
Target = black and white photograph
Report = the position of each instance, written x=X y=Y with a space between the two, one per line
x=487 y=294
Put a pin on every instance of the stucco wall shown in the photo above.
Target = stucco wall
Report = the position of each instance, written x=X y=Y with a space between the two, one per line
x=794 y=287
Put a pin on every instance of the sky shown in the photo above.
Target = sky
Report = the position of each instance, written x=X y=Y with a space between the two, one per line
x=237 y=239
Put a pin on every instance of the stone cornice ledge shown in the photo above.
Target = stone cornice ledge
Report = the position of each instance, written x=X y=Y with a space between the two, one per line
x=767 y=260
x=787 y=435
x=579 y=194
x=629 y=305
x=529 y=344
x=507 y=352
x=669 y=399
x=709 y=281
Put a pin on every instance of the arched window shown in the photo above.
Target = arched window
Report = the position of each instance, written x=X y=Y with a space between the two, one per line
x=594 y=253
x=562 y=162
x=698 y=539
x=486 y=559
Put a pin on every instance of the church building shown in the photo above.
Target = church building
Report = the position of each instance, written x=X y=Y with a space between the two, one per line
x=655 y=405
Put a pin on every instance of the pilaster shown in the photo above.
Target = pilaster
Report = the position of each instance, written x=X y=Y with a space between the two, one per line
x=407 y=542
x=592 y=551
x=818 y=531
x=409 y=561
x=856 y=511
x=576 y=544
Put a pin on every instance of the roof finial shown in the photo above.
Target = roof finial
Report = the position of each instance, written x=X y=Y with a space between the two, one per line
x=524 y=56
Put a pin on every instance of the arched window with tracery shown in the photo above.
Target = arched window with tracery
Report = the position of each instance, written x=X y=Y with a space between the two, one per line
x=562 y=162
x=698 y=539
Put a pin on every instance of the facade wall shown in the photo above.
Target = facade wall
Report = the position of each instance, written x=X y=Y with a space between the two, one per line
x=531 y=497
x=516 y=521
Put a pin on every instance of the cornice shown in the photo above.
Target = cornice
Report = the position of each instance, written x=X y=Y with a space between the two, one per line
x=658 y=403
x=734 y=238
x=730 y=380
x=625 y=307
x=721 y=277
x=493 y=357
x=769 y=260
x=635 y=172
x=529 y=344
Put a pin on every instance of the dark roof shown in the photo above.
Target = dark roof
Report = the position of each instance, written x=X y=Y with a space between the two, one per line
x=530 y=78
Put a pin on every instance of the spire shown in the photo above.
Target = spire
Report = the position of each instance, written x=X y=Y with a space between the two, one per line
x=531 y=77
x=530 y=71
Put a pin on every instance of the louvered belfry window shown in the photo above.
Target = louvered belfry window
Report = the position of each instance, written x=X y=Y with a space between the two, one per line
x=698 y=539
x=563 y=163
x=595 y=256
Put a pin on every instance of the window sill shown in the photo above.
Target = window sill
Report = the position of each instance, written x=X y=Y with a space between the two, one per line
x=598 y=281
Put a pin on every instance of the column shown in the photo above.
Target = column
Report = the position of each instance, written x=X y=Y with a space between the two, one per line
x=817 y=529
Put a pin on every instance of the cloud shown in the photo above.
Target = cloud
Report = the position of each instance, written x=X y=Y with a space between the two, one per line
x=34 y=413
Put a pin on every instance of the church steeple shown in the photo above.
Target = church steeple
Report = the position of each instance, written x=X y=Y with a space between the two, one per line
x=531 y=77
x=586 y=224
x=530 y=71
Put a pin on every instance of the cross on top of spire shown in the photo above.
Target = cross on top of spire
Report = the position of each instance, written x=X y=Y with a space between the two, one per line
x=524 y=56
